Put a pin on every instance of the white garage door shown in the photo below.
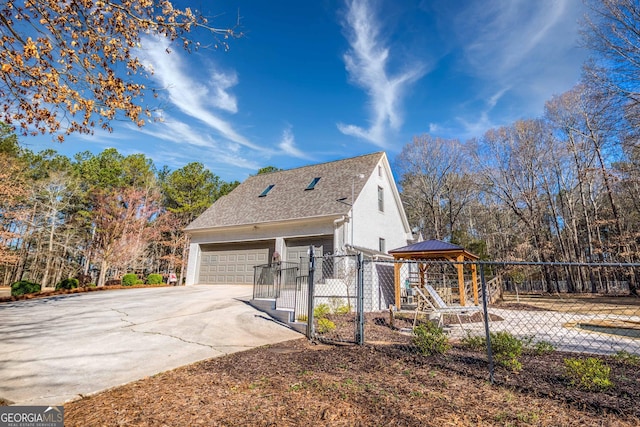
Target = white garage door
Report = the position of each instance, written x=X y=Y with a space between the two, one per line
x=230 y=266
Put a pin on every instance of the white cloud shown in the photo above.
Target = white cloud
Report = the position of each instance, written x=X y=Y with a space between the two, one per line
x=481 y=122
x=288 y=144
x=515 y=55
x=223 y=99
x=366 y=62
x=195 y=99
x=435 y=128
x=200 y=144
x=493 y=100
x=500 y=37
x=523 y=46
x=477 y=127
x=229 y=165
x=178 y=132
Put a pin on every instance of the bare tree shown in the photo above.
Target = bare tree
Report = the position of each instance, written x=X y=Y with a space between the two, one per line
x=436 y=184
x=121 y=219
x=54 y=197
x=611 y=31
x=13 y=190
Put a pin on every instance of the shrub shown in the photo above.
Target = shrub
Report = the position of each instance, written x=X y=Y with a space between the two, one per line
x=342 y=309
x=507 y=350
x=338 y=306
x=69 y=283
x=543 y=347
x=129 y=279
x=321 y=310
x=325 y=325
x=475 y=342
x=154 y=279
x=24 y=287
x=627 y=358
x=589 y=373
x=83 y=279
x=430 y=339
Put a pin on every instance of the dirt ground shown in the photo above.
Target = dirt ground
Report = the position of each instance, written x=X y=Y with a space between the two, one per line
x=302 y=383
x=383 y=383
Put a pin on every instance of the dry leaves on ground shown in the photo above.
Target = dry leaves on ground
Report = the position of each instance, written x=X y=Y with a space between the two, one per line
x=301 y=383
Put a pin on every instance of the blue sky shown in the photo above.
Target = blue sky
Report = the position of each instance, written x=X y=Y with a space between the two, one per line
x=315 y=81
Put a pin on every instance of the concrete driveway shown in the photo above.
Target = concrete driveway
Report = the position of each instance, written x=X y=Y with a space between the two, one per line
x=57 y=349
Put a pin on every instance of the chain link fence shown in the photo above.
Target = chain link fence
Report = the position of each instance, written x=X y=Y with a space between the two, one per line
x=335 y=307
x=573 y=307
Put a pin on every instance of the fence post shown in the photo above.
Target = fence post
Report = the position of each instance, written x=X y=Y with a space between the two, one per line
x=276 y=279
x=360 y=300
x=485 y=307
x=310 y=292
x=255 y=280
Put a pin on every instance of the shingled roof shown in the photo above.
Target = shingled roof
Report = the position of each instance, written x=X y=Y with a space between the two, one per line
x=288 y=199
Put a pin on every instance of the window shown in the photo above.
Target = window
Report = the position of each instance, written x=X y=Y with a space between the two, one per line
x=380 y=199
x=312 y=184
x=266 y=190
x=382 y=246
x=380 y=171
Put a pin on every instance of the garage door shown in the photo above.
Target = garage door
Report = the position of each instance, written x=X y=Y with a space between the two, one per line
x=297 y=251
x=230 y=266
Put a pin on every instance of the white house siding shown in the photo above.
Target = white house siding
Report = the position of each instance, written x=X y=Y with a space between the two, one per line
x=379 y=286
x=370 y=224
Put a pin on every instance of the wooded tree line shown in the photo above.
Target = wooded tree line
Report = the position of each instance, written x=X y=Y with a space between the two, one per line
x=564 y=187
x=561 y=188
x=98 y=214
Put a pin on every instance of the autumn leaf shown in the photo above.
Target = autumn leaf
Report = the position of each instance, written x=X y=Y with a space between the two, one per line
x=81 y=70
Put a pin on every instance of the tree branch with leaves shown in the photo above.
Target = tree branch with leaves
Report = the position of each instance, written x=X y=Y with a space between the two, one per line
x=69 y=66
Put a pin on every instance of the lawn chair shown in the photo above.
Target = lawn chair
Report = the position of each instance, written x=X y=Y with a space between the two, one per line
x=436 y=305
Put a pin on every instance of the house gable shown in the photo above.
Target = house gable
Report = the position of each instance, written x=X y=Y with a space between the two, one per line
x=379 y=221
x=395 y=194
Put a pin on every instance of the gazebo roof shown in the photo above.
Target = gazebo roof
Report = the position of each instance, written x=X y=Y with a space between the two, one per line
x=431 y=249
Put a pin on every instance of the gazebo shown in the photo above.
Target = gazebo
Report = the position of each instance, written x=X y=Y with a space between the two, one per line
x=432 y=250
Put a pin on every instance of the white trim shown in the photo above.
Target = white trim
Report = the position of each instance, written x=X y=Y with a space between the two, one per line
x=231 y=228
x=193 y=263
